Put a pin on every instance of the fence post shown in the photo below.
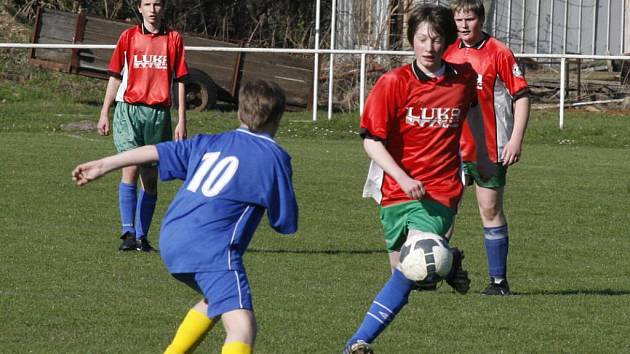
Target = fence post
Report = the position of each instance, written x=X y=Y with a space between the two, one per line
x=362 y=84
x=563 y=63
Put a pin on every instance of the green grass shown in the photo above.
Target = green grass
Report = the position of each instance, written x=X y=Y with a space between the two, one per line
x=64 y=288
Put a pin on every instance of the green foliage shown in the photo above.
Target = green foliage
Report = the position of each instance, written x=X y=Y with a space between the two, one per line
x=278 y=23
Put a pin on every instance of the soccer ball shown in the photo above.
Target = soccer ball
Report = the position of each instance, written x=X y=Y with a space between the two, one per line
x=425 y=257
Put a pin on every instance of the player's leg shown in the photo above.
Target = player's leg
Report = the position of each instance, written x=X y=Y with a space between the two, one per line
x=384 y=308
x=192 y=330
x=496 y=240
x=198 y=322
x=126 y=134
x=398 y=221
x=154 y=126
x=127 y=199
x=394 y=259
x=145 y=207
x=240 y=329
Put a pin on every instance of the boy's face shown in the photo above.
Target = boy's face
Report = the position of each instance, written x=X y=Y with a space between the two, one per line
x=151 y=11
x=468 y=26
x=428 y=46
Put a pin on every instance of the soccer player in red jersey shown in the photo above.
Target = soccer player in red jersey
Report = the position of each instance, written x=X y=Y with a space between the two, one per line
x=503 y=97
x=411 y=128
x=147 y=59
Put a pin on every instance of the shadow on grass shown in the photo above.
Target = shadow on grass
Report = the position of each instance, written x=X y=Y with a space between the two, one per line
x=598 y=292
x=331 y=252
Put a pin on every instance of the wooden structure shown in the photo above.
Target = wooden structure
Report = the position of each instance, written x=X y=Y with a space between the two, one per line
x=213 y=75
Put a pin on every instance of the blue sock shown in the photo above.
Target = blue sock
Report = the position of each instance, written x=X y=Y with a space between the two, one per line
x=144 y=213
x=384 y=308
x=497 y=242
x=127 y=204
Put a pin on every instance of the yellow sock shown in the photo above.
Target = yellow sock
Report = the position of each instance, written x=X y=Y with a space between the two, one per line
x=190 y=333
x=236 y=348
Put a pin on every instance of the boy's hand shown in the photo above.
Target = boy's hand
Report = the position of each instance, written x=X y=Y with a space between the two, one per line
x=180 y=132
x=413 y=188
x=103 y=125
x=511 y=153
x=87 y=172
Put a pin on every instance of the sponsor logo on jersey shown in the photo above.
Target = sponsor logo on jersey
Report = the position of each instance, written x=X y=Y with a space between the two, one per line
x=435 y=117
x=479 y=82
x=516 y=70
x=148 y=61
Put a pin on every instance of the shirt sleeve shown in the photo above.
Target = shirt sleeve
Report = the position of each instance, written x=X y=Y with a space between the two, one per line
x=282 y=208
x=174 y=157
x=380 y=108
x=117 y=61
x=510 y=73
x=181 y=69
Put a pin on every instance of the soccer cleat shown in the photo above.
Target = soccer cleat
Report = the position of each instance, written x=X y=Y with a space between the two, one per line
x=128 y=242
x=425 y=286
x=501 y=288
x=143 y=245
x=458 y=278
x=358 y=347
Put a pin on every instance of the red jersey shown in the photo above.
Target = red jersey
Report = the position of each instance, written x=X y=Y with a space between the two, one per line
x=419 y=119
x=499 y=82
x=147 y=63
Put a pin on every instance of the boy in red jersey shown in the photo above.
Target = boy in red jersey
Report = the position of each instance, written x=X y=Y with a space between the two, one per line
x=503 y=97
x=411 y=128
x=146 y=60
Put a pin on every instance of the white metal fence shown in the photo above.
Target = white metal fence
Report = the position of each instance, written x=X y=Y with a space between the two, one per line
x=361 y=53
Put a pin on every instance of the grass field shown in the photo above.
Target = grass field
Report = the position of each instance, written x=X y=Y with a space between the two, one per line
x=64 y=288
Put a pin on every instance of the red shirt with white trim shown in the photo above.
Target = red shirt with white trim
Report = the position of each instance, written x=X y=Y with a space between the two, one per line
x=499 y=82
x=419 y=119
x=147 y=63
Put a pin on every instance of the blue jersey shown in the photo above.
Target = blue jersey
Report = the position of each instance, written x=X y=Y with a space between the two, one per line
x=230 y=179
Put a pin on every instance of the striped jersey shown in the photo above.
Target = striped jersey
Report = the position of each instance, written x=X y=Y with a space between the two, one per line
x=230 y=180
x=499 y=82
x=147 y=63
x=419 y=120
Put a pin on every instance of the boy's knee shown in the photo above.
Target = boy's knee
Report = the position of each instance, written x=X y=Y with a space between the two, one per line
x=240 y=326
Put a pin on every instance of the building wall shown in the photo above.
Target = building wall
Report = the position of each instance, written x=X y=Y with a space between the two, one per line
x=587 y=27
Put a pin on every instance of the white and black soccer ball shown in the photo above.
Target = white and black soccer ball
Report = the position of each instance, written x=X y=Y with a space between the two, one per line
x=425 y=257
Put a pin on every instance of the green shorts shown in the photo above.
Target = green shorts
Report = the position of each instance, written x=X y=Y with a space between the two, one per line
x=496 y=181
x=422 y=215
x=138 y=125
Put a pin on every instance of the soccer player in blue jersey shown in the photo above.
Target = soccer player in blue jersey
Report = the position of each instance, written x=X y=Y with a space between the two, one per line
x=230 y=179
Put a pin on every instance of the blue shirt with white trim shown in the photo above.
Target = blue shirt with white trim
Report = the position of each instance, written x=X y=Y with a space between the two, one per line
x=230 y=179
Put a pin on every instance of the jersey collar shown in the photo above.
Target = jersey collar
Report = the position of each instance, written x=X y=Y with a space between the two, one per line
x=478 y=45
x=449 y=70
x=162 y=30
x=259 y=135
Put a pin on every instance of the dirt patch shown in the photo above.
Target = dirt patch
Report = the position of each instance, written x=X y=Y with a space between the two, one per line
x=84 y=125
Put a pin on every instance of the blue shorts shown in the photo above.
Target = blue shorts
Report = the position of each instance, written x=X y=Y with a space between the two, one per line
x=224 y=290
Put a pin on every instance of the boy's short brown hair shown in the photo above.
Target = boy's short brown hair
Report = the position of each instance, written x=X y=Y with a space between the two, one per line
x=476 y=6
x=260 y=103
x=440 y=18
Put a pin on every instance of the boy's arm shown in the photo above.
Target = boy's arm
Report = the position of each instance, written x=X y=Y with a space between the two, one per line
x=512 y=150
x=475 y=122
x=110 y=95
x=180 y=130
x=377 y=152
x=90 y=171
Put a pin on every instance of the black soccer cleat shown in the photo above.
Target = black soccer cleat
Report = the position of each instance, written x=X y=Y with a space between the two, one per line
x=358 y=347
x=501 y=288
x=128 y=242
x=143 y=245
x=458 y=278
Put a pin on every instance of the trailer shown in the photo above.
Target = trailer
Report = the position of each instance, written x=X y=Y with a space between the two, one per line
x=213 y=75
